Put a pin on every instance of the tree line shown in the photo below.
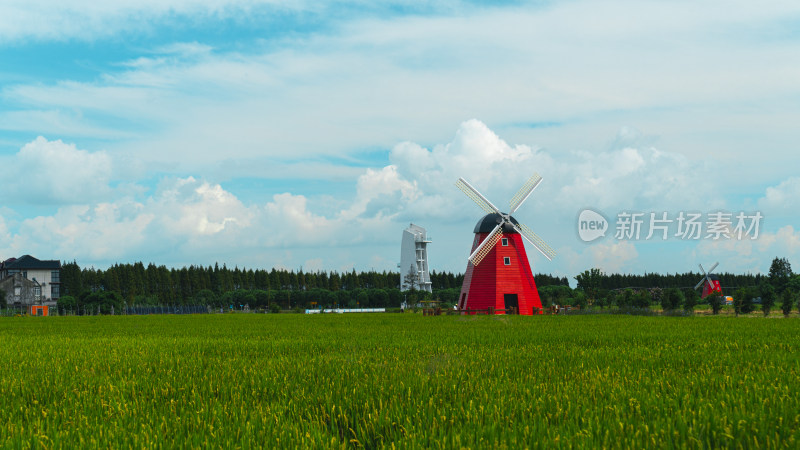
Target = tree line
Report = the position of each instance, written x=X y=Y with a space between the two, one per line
x=221 y=286
x=674 y=292
x=728 y=281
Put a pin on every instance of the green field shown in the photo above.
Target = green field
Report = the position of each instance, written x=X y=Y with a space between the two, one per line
x=247 y=380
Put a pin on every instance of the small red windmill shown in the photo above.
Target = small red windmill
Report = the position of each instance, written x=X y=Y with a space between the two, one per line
x=498 y=273
x=710 y=282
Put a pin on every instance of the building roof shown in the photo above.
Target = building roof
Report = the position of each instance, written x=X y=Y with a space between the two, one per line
x=489 y=221
x=29 y=262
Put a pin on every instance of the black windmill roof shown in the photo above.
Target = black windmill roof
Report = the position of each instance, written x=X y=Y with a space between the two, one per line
x=31 y=263
x=489 y=221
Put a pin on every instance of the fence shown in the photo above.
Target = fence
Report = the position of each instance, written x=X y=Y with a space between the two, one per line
x=98 y=311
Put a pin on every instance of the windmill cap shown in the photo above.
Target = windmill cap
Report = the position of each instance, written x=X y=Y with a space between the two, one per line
x=489 y=221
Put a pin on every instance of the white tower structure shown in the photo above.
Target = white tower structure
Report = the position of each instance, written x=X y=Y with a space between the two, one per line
x=414 y=259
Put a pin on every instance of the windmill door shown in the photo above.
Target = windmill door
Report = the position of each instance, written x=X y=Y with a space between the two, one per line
x=511 y=301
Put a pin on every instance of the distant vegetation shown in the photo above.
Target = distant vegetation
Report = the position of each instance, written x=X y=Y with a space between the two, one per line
x=676 y=292
x=215 y=286
x=137 y=284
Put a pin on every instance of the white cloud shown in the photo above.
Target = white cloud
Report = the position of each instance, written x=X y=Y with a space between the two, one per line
x=608 y=255
x=683 y=71
x=102 y=232
x=193 y=221
x=623 y=178
x=753 y=255
x=708 y=82
x=197 y=209
x=382 y=193
x=644 y=179
x=613 y=257
x=783 y=198
x=185 y=220
x=53 y=172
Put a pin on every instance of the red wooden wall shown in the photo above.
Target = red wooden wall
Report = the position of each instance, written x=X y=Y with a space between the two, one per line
x=486 y=284
x=709 y=288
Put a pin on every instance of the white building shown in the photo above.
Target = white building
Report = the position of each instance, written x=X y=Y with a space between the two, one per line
x=414 y=259
x=45 y=276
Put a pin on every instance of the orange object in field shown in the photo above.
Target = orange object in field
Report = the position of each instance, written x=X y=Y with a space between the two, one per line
x=39 y=310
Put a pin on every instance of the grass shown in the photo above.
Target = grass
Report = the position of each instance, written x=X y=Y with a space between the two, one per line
x=256 y=381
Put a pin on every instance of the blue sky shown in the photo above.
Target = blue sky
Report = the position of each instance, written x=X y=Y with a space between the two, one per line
x=309 y=134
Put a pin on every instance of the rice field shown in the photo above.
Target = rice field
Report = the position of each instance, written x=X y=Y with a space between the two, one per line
x=383 y=380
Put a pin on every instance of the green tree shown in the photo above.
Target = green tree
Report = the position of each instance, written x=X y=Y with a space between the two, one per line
x=780 y=272
x=767 y=297
x=334 y=282
x=410 y=286
x=555 y=294
x=590 y=281
x=206 y=297
x=67 y=303
x=603 y=298
x=145 y=300
x=798 y=303
x=794 y=283
x=656 y=295
x=379 y=298
x=447 y=296
x=262 y=298
x=747 y=302
x=624 y=299
x=671 y=299
x=692 y=297
x=411 y=282
x=579 y=299
x=362 y=299
x=738 y=300
x=343 y=298
x=104 y=301
x=642 y=299
x=679 y=298
x=395 y=297
x=715 y=301
x=788 y=302
x=71 y=279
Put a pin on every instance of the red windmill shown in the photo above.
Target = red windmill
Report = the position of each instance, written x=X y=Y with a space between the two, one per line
x=498 y=273
x=710 y=282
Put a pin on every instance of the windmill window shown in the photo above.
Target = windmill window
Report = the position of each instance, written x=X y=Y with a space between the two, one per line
x=505 y=242
x=507 y=261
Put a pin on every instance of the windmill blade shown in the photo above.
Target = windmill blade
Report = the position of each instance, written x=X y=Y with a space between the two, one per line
x=535 y=240
x=713 y=267
x=524 y=192
x=700 y=283
x=702 y=270
x=487 y=245
x=476 y=196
